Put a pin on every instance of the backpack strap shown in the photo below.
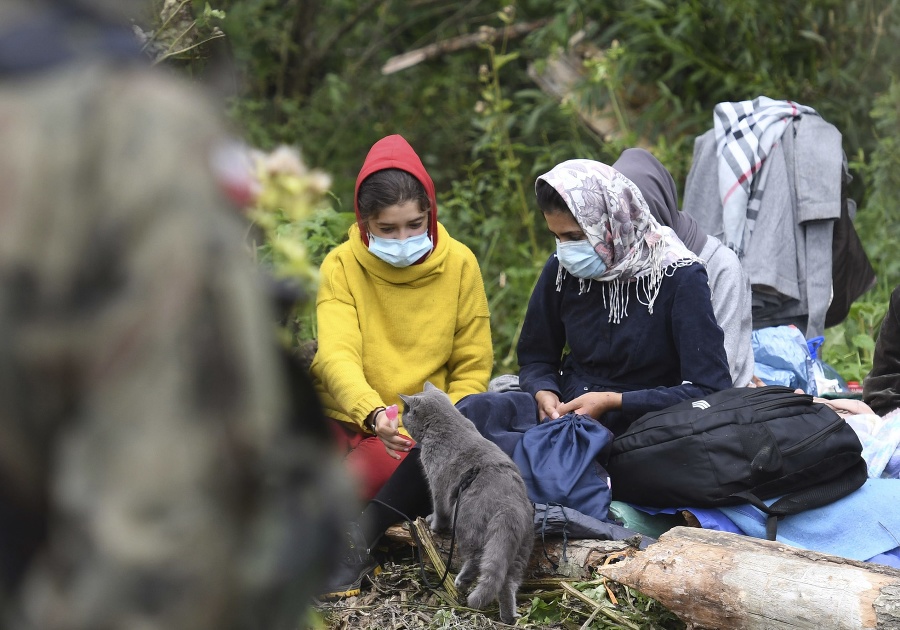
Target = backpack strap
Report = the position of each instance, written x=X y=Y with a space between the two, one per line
x=808 y=498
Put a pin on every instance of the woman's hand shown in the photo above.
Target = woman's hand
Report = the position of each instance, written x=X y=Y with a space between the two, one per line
x=548 y=404
x=593 y=404
x=845 y=406
x=388 y=431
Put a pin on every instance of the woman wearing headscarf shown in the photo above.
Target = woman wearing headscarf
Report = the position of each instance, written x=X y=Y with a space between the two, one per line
x=620 y=322
x=729 y=284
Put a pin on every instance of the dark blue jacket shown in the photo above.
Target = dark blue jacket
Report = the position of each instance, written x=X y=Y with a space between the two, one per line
x=654 y=360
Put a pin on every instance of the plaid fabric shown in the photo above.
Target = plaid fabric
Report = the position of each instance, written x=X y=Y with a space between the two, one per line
x=746 y=132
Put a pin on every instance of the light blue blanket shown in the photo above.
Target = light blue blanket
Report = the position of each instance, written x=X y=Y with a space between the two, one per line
x=859 y=526
x=864 y=525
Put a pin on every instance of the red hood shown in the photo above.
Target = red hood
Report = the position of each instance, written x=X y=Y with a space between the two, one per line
x=395 y=152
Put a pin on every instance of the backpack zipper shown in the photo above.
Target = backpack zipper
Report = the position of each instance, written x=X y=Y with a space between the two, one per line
x=783 y=401
x=814 y=439
x=782 y=397
x=786 y=398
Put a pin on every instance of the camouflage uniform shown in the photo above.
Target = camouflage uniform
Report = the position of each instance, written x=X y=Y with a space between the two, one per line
x=148 y=478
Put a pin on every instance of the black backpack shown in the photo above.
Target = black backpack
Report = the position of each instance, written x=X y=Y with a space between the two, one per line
x=740 y=445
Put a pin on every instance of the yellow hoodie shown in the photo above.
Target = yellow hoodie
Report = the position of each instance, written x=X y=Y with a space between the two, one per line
x=384 y=330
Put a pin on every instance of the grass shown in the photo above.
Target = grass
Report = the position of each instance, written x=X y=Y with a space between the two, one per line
x=398 y=599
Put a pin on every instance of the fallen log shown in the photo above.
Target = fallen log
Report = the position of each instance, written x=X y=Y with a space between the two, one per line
x=721 y=580
x=580 y=560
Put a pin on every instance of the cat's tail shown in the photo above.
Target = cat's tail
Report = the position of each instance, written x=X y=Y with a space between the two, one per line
x=501 y=549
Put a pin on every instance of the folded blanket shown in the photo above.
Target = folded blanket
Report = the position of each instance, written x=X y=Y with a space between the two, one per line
x=864 y=525
x=880 y=438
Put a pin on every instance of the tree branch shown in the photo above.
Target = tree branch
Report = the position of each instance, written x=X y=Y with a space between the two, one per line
x=462 y=42
x=348 y=24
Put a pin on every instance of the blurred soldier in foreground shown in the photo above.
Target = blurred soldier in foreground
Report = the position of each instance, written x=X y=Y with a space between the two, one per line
x=152 y=472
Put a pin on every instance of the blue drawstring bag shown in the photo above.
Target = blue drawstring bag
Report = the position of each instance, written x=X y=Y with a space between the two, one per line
x=562 y=461
x=501 y=417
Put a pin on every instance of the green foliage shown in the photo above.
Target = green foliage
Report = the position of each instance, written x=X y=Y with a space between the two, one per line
x=849 y=347
x=491 y=208
x=481 y=208
x=312 y=77
x=288 y=194
x=182 y=32
x=878 y=222
x=296 y=228
x=604 y=604
x=674 y=61
x=542 y=612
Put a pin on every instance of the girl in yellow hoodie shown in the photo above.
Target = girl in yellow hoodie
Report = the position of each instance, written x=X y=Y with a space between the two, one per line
x=400 y=303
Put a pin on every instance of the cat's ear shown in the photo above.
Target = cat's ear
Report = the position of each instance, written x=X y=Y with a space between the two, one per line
x=406 y=400
x=429 y=387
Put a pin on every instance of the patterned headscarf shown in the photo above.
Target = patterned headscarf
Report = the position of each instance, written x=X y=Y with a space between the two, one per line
x=617 y=222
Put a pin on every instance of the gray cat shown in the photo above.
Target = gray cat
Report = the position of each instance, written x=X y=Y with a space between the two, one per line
x=494 y=530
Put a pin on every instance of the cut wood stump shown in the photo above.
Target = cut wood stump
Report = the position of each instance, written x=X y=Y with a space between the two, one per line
x=582 y=556
x=721 y=580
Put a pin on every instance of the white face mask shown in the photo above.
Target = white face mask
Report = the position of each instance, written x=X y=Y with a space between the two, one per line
x=580 y=259
x=400 y=253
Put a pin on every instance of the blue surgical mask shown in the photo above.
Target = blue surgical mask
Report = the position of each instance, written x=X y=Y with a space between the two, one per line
x=400 y=253
x=580 y=259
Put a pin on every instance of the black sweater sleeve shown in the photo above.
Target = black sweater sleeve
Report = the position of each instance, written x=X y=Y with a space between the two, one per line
x=700 y=344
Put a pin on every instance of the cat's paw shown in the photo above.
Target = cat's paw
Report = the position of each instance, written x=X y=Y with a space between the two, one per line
x=509 y=619
x=462 y=581
x=435 y=523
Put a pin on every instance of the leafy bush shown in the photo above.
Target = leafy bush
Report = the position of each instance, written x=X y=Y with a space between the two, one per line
x=849 y=347
x=492 y=208
x=294 y=228
x=878 y=222
x=676 y=61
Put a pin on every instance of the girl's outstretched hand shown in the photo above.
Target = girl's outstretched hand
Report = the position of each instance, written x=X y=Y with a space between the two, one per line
x=387 y=428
